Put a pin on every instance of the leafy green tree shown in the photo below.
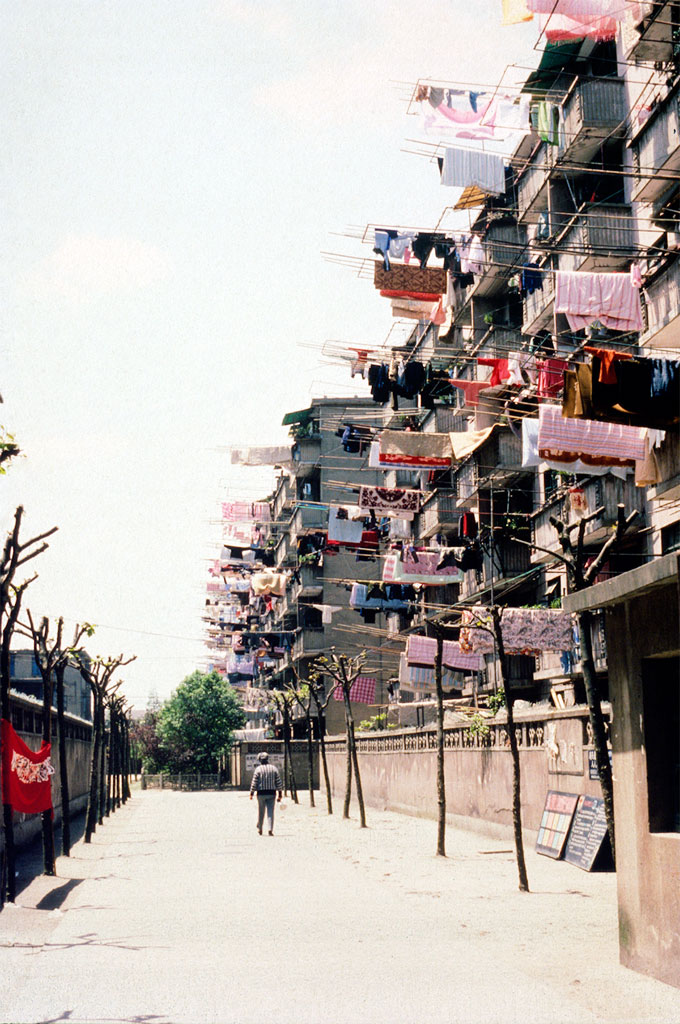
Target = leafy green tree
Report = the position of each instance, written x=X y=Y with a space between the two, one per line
x=195 y=726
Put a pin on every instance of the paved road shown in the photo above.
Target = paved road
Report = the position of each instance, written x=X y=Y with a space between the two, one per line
x=179 y=912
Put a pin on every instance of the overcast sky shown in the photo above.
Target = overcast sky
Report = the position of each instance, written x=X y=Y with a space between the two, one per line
x=172 y=172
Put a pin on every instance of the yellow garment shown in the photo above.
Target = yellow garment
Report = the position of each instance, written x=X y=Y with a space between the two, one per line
x=465 y=442
x=268 y=583
x=515 y=11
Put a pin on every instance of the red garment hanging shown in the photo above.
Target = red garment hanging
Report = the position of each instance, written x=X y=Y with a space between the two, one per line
x=26 y=773
x=607 y=357
x=500 y=370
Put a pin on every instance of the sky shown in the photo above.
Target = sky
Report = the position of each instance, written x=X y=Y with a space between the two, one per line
x=172 y=172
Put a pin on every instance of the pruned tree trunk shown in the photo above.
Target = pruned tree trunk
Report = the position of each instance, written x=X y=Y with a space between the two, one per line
x=326 y=776
x=46 y=816
x=102 y=809
x=63 y=764
x=126 y=776
x=514 y=753
x=310 y=756
x=597 y=725
x=289 y=752
x=348 y=769
x=95 y=759
x=441 y=781
x=357 y=776
x=352 y=747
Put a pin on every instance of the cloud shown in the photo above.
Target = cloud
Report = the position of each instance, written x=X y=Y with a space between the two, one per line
x=85 y=267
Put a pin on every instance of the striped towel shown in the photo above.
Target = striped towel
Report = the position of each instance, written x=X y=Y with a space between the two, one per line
x=594 y=439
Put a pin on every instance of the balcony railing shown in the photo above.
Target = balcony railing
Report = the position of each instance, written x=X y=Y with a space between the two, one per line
x=504 y=245
x=308 y=519
x=311 y=582
x=594 y=109
x=440 y=514
x=504 y=562
x=285 y=550
x=537 y=307
x=501 y=453
x=662 y=306
x=607 y=491
x=598 y=238
x=534 y=180
x=656 y=150
x=284 y=496
x=309 y=641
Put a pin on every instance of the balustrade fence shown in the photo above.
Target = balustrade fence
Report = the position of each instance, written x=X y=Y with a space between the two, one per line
x=188 y=783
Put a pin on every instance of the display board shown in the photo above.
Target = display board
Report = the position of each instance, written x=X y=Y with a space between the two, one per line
x=557 y=815
x=588 y=832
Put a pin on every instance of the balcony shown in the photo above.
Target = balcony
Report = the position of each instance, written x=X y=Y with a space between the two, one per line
x=309 y=643
x=284 y=497
x=306 y=452
x=656 y=151
x=285 y=551
x=531 y=186
x=308 y=519
x=599 y=238
x=447 y=419
x=594 y=109
x=461 y=303
x=504 y=247
x=661 y=309
x=608 y=491
x=537 y=308
x=668 y=461
x=498 y=458
x=311 y=582
x=500 y=566
x=440 y=514
x=651 y=38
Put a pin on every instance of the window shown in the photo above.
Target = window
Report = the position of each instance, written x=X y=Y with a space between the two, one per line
x=670 y=538
x=661 y=716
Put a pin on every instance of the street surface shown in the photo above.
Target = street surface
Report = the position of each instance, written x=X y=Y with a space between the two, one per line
x=179 y=912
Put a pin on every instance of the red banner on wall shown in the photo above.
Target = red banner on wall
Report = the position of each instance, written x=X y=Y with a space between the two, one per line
x=26 y=773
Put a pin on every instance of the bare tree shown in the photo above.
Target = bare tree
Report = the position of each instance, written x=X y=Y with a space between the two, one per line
x=283 y=701
x=15 y=553
x=490 y=622
x=580 y=576
x=344 y=670
x=303 y=698
x=60 y=667
x=321 y=699
x=46 y=653
x=98 y=674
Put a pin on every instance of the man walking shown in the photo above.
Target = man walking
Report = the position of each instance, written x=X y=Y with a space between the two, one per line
x=267 y=784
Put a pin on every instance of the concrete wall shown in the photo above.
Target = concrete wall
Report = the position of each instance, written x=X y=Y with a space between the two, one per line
x=648 y=862
x=398 y=769
x=243 y=761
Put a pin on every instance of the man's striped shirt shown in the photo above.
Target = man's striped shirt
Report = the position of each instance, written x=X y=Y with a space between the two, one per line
x=266 y=779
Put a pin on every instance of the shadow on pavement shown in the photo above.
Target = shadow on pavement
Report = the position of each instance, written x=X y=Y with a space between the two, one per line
x=29 y=858
x=54 y=899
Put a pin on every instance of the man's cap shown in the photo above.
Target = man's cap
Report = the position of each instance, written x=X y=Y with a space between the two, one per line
x=263 y=757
